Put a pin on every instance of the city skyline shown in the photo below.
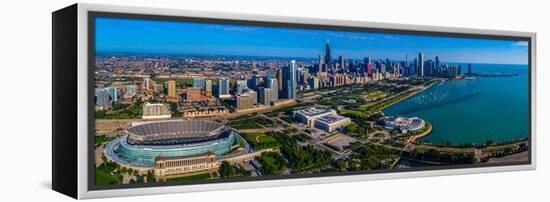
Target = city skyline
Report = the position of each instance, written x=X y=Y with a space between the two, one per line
x=266 y=113
x=161 y=37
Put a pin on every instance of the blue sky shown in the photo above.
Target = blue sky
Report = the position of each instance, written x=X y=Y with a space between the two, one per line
x=148 y=36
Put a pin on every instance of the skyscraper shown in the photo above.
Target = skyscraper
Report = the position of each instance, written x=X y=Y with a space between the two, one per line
x=289 y=81
x=199 y=83
x=113 y=94
x=243 y=101
x=272 y=84
x=148 y=84
x=241 y=86
x=341 y=62
x=328 y=56
x=351 y=65
x=429 y=67
x=368 y=65
x=171 y=89
x=414 y=68
x=223 y=88
x=172 y=95
x=253 y=96
x=320 y=64
x=436 y=61
x=421 y=65
x=280 y=79
x=264 y=96
x=102 y=98
x=208 y=87
x=254 y=82
x=406 y=66
x=469 y=69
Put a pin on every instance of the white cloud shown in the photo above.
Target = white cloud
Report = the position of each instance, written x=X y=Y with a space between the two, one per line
x=521 y=44
x=351 y=36
x=391 y=37
x=232 y=28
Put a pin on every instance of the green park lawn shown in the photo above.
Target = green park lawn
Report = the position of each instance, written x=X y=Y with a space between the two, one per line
x=260 y=140
x=104 y=178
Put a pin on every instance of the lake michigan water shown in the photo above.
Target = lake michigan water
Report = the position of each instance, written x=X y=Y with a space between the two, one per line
x=473 y=110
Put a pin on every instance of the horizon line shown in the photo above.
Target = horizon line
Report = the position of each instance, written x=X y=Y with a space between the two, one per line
x=296 y=57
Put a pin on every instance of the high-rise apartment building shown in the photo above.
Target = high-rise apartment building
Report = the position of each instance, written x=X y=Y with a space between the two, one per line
x=172 y=94
x=199 y=83
x=223 y=88
x=243 y=101
x=208 y=87
x=272 y=85
x=264 y=95
x=289 y=81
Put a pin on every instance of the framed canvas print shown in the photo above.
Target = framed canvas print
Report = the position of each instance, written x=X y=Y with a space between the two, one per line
x=149 y=101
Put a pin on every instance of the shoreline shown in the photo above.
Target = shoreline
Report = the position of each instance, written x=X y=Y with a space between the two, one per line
x=471 y=145
x=423 y=134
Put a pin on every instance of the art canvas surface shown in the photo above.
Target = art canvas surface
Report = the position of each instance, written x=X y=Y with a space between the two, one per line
x=180 y=101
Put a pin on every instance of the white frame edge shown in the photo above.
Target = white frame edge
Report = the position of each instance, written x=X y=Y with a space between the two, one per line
x=85 y=193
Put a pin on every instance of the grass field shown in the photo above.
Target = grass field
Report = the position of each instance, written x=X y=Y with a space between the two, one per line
x=374 y=95
x=179 y=82
x=260 y=140
x=104 y=178
x=250 y=123
x=351 y=113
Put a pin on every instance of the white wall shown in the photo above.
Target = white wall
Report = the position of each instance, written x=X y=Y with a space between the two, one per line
x=25 y=65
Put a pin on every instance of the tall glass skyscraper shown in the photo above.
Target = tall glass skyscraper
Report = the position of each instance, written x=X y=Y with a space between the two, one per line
x=328 y=56
x=421 y=64
x=272 y=84
x=253 y=82
x=289 y=81
x=223 y=87
x=113 y=93
x=102 y=97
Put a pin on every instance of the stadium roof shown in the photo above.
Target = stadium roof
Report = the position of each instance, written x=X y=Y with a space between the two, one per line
x=175 y=132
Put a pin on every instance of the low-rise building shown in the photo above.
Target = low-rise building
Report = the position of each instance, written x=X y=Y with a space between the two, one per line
x=205 y=113
x=173 y=166
x=308 y=116
x=404 y=124
x=331 y=122
x=176 y=165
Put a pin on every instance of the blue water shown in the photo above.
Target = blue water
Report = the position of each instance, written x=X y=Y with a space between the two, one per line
x=473 y=111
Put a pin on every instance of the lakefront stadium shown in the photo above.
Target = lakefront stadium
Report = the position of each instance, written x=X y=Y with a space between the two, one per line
x=142 y=143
